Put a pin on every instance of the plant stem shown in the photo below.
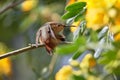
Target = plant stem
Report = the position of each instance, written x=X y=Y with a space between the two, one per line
x=18 y=51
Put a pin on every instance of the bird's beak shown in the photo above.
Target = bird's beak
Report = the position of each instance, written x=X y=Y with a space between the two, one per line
x=69 y=26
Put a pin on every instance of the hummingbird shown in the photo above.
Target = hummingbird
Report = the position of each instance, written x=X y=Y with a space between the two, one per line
x=50 y=34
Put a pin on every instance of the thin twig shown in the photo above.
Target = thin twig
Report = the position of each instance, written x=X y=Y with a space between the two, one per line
x=15 y=52
x=30 y=47
x=11 y=5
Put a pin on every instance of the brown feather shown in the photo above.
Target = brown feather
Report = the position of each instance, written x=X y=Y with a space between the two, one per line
x=49 y=35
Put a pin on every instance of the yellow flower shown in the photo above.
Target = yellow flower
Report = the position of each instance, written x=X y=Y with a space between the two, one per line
x=64 y=73
x=116 y=27
x=92 y=62
x=91 y=77
x=97 y=19
x=74 y=63
x=101 y=13
x=117 y=37
x=5 y=64
x=112 y=12
x=96 y=4
x=117 y=21
x=109 y=3
x=117 y=4
x=28 y=5
x=87 y=62
x=77 y=72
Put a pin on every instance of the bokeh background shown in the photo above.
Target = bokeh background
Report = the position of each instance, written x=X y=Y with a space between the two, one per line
x=20 y=20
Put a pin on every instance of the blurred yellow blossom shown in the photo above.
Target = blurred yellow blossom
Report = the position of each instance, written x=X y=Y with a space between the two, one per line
x=101 y=13
x=117 y=4
x=74 y=63
x=96 y=20
x=112 y=12
x=91 y=77
x=92 y=62
x=109 y=3
x=77 y=69
x=77 y=72
x=28 y=5
x=85 y=62
x=64 y=73
x=117 y=36
x=5 y=64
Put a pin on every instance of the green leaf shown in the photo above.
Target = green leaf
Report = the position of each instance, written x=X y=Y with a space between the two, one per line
x=76 y=6
x=108 y=57
x=116 y=44
x=94 y=36
x=67 y=49
x=76 y=55
x=80 y=53
x=117 y=70
x=71 y=14
x=71 y=48
x=74 y=9
x=80 y=41
x=80 y=15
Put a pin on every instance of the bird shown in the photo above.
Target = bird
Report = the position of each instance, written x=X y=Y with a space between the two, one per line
x=50 y=34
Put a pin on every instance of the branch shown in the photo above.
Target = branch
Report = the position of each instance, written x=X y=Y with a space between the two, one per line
x=30 y=47
x=18 y=51
x=11 y=5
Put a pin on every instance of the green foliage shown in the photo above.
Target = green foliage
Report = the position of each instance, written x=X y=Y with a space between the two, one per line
x=67 y=49
x=117 y=44
x=75 y=10
x=108 y=57
x=71 y=48
x=76 y=54
x=68 y=15
x=75 y=6
x=80 y=15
